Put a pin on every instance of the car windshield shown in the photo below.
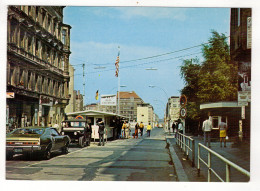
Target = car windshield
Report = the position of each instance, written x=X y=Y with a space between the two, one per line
x=28 y=131
x=77 y=124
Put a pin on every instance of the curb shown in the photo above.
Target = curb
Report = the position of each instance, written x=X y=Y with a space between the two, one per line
x=182 y=177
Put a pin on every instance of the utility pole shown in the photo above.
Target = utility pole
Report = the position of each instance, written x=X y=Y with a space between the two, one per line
x=118 y=82
x=83 y=65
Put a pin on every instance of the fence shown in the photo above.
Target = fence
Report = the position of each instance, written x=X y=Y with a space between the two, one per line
x=228 y=164
x=187 y=144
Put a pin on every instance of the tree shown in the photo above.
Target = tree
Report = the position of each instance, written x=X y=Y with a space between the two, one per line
x=218 y=77
x=215 y=79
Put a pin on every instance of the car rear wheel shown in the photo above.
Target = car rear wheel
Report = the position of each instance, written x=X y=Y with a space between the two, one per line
x=65 y=149
x=47 y=154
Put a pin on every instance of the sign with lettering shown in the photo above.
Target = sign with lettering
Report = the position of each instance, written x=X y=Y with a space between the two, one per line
x=108 y=100
x=45 y=100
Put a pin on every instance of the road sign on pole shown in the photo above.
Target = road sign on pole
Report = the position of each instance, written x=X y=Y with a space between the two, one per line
x=183 y=100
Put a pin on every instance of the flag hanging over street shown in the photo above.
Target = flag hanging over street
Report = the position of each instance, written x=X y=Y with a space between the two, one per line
x=96 y=95
x=117 y=64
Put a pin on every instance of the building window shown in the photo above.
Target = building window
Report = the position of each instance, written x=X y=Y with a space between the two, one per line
x=49 y=24
x=30 y=47
x=238 y=17
x=13 y=31
x=64 y=37
x=37 y=53
x=22 y=37
x=37 y=13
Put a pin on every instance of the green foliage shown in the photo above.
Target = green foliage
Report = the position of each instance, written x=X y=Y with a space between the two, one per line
x=213 y=80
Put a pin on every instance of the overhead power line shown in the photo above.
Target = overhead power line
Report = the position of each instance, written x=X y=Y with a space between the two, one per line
x=149 y=57
x=140 y=64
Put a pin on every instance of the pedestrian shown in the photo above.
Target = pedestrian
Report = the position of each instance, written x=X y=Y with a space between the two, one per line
x=206 y=128
x=123 y=130
x=118 y=127
x=149 y=128
x=127 y=130
x=222 y=131
x=173 y=126
x=136 y=130
x=141 y=126
x=101 y=129
x=180 y=127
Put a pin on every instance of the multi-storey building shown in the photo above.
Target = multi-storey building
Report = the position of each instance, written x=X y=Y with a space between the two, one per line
x=78 y=101
x=174 y=108
x=145 y=114
x=128 y=102
x=240 y=51
x=38 y=50
x=71 y=106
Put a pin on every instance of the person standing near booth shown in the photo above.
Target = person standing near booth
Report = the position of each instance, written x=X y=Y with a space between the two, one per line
x=222 y=132
x=101 y=129
x=206 y=128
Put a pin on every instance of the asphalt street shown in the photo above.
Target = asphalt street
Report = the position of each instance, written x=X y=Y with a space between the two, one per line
x=142 y=159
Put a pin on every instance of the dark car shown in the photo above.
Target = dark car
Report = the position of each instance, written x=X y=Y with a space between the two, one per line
x=40 y=141
x=78 y=130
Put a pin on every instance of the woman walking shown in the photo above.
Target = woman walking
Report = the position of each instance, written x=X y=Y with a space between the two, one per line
x=149 y=128
x=136 y=130
x=222 y=132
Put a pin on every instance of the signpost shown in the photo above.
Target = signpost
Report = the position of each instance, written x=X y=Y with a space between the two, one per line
x=183 y=110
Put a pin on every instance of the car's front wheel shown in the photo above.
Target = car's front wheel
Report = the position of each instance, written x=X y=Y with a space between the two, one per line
x=81 y=142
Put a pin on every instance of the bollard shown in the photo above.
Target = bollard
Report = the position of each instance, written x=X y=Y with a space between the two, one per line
x=198 y=161
x=193 y=153
x=106 y=135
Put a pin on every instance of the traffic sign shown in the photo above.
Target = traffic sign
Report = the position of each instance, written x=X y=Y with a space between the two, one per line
x=183 y=100
x=183 y=112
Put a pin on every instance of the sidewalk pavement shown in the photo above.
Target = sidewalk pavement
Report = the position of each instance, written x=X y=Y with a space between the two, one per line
x=238 y=155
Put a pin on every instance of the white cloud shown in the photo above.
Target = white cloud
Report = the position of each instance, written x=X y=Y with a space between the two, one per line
x=145 y=12
x=153 y=13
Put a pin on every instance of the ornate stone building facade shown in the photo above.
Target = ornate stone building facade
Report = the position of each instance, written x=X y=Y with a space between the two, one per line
x=38 y=50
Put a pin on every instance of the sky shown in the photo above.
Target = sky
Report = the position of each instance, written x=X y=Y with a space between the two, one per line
x=167 y=35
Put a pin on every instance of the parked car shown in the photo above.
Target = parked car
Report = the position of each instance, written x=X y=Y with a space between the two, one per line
x=78 y=130
x=36 y=141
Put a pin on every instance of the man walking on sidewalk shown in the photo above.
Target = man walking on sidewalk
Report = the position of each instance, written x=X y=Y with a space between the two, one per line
x=206 y=128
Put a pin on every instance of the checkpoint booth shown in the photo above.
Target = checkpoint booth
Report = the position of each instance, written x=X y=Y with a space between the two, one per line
x=231 y=112
x=94 y=117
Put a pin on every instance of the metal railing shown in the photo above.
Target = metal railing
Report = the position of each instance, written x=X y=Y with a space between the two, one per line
x=187 y=144
x=228 y=163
